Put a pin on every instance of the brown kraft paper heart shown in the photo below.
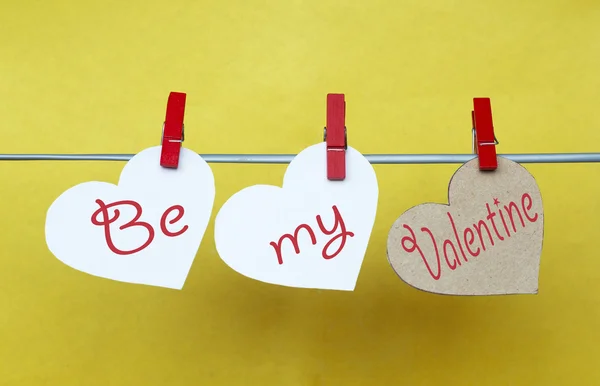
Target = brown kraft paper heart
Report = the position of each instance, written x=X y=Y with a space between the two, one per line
x=486 y=241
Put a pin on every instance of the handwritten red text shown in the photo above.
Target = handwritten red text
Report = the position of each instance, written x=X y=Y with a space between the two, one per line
x=338 y=226
x=475 y=239
x=106 y=220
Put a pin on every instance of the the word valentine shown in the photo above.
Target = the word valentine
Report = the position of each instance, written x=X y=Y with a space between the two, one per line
x=101 y=217
x=497 y=226
x=338 y=226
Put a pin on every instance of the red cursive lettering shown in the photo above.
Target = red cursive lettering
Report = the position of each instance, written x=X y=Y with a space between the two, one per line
x=343 y=233
x=469 y=231
x=107 y=220
x=457 y=239
x=415 y=245
x=507 y=213
x=294 y=240
x=338 y=224
x=163 y=221
x=504 y=223
x=456 y=259
x=490 y=217
x=509 y=210
x=528 y=197
x=478 y=227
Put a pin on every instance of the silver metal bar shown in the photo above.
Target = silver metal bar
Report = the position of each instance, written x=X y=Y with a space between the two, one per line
x=286 y=158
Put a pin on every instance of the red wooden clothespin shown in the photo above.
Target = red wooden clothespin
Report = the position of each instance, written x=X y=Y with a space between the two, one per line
x=173 y=132
x=485 y=140
x=335 y=136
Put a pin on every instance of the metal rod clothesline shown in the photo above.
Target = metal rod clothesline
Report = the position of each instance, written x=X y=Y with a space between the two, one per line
x=286 y=158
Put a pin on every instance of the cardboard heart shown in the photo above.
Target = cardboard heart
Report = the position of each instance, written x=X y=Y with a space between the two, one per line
x=311 y=233
x=146 y=230
x=486 y=241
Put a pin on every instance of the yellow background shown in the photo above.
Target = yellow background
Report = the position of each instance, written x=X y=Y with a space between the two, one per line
x=93 y=77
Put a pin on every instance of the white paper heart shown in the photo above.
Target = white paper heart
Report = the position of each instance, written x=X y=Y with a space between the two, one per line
x=175 y=205
x=487 y=241
x=250 y=227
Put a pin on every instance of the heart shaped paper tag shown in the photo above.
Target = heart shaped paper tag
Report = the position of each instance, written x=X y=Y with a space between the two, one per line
x=312 y=233
x=487 y=241
x=146 y=230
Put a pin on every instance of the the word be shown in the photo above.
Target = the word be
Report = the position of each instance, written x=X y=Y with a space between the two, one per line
x=106 y=222
x=338 y=225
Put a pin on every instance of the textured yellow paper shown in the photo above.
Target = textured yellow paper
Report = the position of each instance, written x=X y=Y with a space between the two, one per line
x=93 y=77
